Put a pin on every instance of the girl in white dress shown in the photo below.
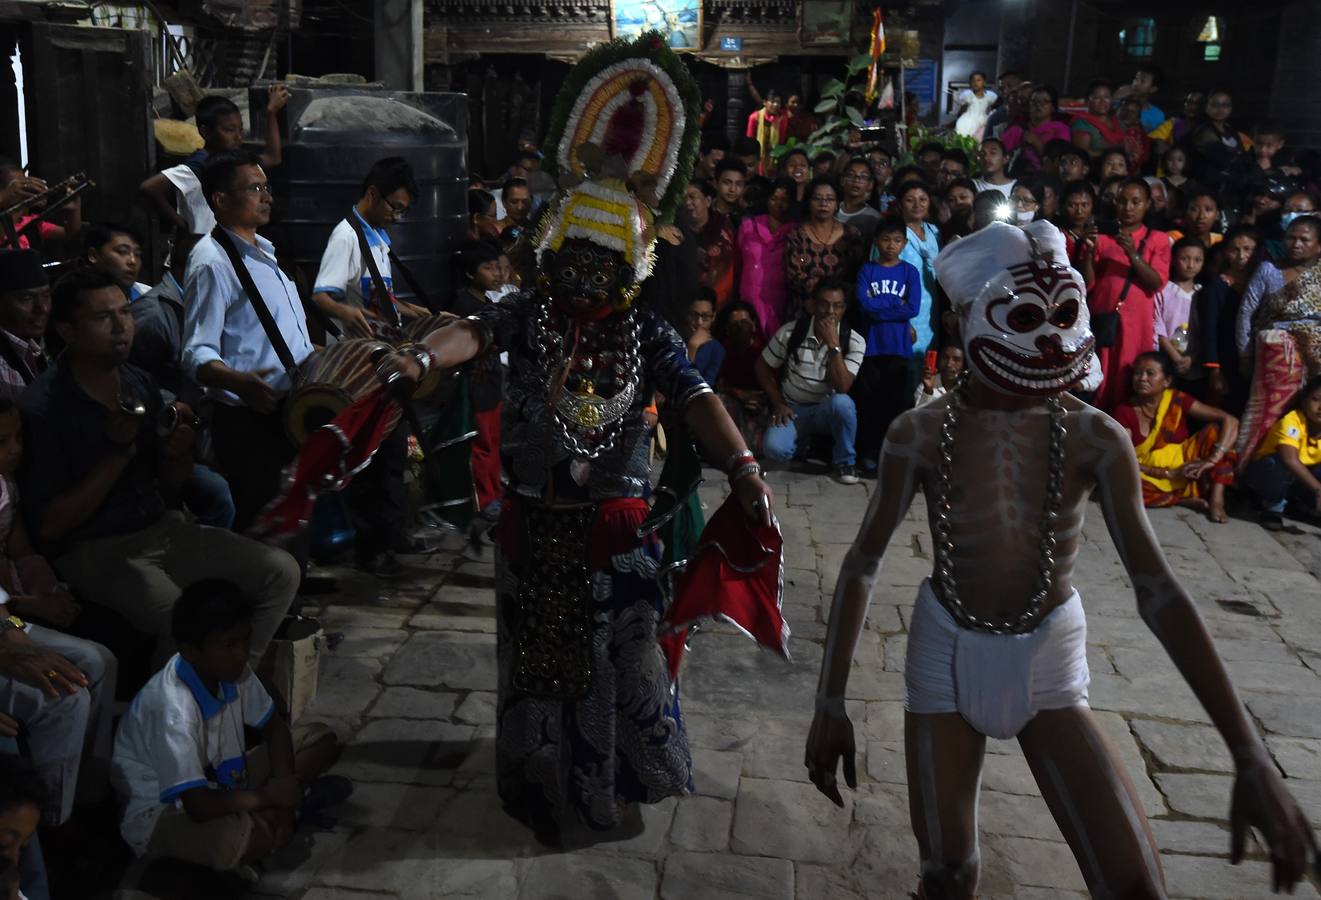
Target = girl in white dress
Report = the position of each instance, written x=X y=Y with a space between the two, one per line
x=974 y=106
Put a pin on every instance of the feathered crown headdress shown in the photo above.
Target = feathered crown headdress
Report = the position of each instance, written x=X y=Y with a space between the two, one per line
x=622 y=140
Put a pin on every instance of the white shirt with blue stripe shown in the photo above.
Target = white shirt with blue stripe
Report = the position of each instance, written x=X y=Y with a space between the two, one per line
x=177 y=736
x=220 y=324
x=344 y=274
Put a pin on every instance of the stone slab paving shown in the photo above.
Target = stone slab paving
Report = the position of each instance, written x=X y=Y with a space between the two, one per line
x=411 y=689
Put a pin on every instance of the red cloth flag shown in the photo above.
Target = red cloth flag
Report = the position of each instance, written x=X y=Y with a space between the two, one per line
x=327 y=461
x=737 y=574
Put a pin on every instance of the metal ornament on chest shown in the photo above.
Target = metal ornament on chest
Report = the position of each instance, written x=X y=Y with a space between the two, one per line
x=588 y=424
x=1049 y=516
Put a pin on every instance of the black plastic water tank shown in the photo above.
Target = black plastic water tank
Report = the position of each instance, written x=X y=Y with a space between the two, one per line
x=333 y=135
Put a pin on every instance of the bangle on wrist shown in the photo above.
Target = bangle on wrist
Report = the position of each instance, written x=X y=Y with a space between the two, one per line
x=743 y=471
x=423 y=355
x=738 y=457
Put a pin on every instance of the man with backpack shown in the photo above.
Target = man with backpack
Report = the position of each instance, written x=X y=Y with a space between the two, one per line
x=807 y=370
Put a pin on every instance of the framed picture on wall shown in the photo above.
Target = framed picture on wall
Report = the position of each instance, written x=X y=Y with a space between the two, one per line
x=825 y=22
x=680 y=21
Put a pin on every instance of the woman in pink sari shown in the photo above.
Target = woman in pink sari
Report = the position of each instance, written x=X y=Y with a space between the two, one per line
x=761 y=245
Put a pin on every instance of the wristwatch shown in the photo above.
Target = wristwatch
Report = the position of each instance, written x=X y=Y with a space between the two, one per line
x=830 y=350
x=13 y=623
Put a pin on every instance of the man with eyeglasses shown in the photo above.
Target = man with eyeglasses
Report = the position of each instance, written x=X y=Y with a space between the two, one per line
x=345 y=289
x=364 y=303
x=226 y=348
x=857 y=188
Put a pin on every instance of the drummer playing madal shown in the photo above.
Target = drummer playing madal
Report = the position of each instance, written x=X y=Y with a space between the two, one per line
x=359 y=293
x=588 y=724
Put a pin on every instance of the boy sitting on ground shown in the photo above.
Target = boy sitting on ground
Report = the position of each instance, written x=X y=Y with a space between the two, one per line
x=192 y=793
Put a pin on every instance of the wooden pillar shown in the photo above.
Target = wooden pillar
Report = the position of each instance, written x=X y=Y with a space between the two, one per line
x=399 y=42
x=736 y=106
x=1295 y=95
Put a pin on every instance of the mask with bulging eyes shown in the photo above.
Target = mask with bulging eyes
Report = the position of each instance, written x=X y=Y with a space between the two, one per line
x=583 y=277
x=1028 y=331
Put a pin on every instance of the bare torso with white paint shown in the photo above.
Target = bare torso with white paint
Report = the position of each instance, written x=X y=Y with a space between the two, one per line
x=999 y=493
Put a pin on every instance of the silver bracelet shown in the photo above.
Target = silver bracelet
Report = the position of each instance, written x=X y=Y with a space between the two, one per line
x=743 y=471
x=423 y=355
x=737 y=457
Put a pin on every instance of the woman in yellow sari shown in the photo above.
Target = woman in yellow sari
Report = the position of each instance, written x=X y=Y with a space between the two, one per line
x=1178 y=465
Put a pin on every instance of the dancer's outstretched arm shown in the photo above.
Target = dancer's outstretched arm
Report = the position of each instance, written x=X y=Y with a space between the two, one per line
x=1260 y=798
x=831 y=737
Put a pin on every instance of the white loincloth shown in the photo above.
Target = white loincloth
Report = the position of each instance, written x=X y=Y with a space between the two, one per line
x=996 y=682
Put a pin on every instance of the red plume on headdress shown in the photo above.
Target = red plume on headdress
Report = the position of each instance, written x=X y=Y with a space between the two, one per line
x=623 y=133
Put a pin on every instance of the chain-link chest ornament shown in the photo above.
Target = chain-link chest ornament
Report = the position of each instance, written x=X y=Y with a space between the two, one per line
x=1049 y=517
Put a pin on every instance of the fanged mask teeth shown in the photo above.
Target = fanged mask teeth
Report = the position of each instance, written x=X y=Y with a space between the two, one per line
x=1005 y=362
x=1058 y=378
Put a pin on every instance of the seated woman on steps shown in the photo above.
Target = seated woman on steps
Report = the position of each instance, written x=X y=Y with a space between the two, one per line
x=1179 y=466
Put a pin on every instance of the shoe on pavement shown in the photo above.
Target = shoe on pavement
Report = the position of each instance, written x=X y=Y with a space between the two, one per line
x=1271 y=521
x=382 y=565
x=846 y=475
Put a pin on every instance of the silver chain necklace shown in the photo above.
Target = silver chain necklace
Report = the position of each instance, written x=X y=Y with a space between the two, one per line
x=1049 y=516
x=577 y=413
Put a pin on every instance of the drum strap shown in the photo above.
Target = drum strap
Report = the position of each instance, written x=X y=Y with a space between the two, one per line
x=258 y=304
x=419 y=293
x=387 y=305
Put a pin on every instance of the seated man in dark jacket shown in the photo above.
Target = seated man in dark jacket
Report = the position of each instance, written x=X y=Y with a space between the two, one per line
x=104 y=451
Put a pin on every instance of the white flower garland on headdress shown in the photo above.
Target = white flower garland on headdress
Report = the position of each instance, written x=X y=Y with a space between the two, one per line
x=600 y=109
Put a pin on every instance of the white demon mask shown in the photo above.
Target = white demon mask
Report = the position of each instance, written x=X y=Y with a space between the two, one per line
x=1022 y=308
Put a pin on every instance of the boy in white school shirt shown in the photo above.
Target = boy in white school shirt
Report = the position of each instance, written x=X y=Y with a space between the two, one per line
x=191 y=792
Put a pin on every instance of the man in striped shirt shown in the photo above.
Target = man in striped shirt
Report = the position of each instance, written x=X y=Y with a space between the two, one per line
x=806 y=370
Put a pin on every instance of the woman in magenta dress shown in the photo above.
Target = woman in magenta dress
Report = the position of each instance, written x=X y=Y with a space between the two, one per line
x=1123 y=274
x=761 y=244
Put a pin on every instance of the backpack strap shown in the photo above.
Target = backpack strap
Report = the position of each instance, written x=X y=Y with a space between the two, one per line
x=799 y=334
x=796 y=338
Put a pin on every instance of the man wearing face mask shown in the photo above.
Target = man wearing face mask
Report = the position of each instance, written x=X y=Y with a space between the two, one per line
x=997 y=640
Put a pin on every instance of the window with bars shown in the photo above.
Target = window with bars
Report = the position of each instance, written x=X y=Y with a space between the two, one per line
x=1138 y=37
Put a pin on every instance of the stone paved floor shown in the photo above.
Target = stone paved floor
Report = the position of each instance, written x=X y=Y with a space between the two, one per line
x=413 y=686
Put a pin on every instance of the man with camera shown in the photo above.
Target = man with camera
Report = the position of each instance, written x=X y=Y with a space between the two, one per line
x=105 y=457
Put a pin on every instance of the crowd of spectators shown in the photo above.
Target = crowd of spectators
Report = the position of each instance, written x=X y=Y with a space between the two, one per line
x=1197 y=237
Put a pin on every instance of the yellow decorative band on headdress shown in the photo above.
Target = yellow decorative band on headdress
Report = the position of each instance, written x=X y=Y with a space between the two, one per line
x=604 y=213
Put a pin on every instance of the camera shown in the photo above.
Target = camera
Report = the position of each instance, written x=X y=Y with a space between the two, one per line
x=170 y=418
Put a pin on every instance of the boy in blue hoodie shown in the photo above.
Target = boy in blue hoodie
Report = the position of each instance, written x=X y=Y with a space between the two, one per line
x=889 y=296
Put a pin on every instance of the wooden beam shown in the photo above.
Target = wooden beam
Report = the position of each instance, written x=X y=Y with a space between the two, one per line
x=446 y=41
